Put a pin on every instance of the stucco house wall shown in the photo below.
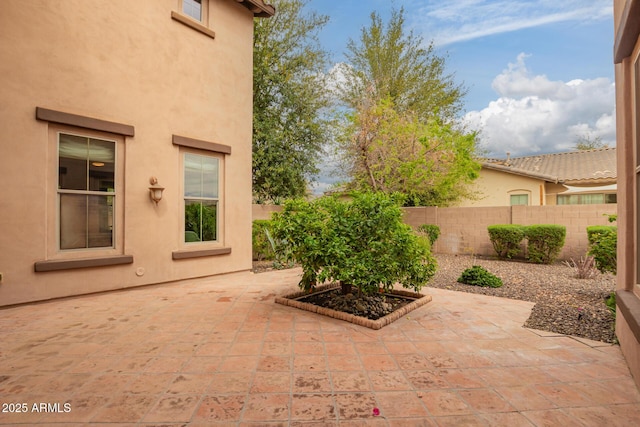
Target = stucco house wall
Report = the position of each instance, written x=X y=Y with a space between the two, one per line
x=133 y=73
x=627 y=70
x=494 y=188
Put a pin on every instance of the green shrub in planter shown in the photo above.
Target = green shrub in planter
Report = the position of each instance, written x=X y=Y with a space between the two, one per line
x=432 y=232
x=506 y=239
x=545 y=241
x=479 y=276
x=262 y=249
x=361 y=243
x=603 y=244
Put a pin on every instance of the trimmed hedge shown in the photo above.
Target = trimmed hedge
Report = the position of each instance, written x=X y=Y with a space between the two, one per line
x=545 y=241
x=603 y=244
x=506 y=239
x=431 y=230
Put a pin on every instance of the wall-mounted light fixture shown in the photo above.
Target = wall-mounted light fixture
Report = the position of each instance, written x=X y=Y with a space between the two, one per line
x=155 y=191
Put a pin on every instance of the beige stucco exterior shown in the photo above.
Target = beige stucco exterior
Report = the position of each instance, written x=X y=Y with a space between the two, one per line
x=627 y=69
x=495 y=188
x=129 y=63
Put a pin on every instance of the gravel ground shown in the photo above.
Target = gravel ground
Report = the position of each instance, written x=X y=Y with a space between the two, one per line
x=564 y=304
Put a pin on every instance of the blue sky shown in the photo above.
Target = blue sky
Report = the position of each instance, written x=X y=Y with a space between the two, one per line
x=539 y=72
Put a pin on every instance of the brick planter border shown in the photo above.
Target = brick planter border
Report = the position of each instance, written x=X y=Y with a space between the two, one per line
x=291 y=300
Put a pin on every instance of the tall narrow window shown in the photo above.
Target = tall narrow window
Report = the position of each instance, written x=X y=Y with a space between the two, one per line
x=200 y=198
x=86 y=192
x=192 y=8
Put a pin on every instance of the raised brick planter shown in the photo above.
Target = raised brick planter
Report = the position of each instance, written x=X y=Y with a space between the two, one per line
x=291 y=300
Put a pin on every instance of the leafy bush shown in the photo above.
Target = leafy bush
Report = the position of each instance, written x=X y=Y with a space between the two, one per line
x=603 y=243
x=479 y=276
x=262 y=248
x=610 y=301
x=361 y=243
x=545 y=241
x=432 y=232
x=506 y=239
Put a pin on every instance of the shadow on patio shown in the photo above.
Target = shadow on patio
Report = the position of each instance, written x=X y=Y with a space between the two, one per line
x=220 y=351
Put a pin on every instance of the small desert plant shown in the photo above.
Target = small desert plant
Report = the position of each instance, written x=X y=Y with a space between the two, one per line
x=506 y=239
x=585 y=268
x=479 y=276
x=432 y=232
x=544 y=242
x=262 y=249
x=610 y=301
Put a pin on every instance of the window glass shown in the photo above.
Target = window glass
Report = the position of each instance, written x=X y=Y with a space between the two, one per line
x=193 y=8
x=86 y=192
x=200 y=198
x=519 y=199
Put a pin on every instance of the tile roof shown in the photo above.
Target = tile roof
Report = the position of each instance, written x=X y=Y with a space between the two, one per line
x=575 y=167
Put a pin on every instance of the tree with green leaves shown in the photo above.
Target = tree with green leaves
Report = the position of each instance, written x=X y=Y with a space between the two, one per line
x=589 y=142
x=402 y=132
x=289 y=101
x=389 y=62
x=430 y=162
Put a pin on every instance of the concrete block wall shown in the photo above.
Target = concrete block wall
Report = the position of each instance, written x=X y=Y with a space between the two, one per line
x=463 y=230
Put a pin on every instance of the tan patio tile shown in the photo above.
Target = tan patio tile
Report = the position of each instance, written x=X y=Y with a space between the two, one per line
x=462 y=378
x=230 y=382
x=311 y=382
x=125 y=408
x=308 y=348
x=212 y=349
x=444 y=403
x=238 y=364
x=507 y=419
x=220 y=408
x=473 y=360
x=389 y=381
x=400 y=347
x=413 y=422
x=166 y=364
x=551 y=417
x=276 y=348
x=93 y=365
x=350 y=381
x=271 y=382
x=313 y=407
x=13 y=385
x=426 y=380
x=412 y=362
x=148 y=383
x=442 y=361
x=400 y=404
x=314 y=336
x=113 y=382
x=195 y=384
x=309 y=363
x=82 y=409
x=525 y=398
x=370 y=348
x=202 y=364
x=339 y=348
x=170 y=409
x=274 y=363
x=485 y=400
x=267 y=407
x=353 y=406
x=378 y=362
x=563 y=394
x=245 y=348
x=250 y=336
x=278 y=336
x=332 y=336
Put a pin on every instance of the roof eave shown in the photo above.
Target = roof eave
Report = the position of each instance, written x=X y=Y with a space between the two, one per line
x=259 y=8
x=521 y=172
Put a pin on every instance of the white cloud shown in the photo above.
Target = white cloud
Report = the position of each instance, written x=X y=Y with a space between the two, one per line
x=536 y=115
x=461 y=20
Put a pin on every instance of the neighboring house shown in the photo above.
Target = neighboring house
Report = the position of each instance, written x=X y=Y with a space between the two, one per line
x=577 y=177
x=627 y=67
x=103 y=104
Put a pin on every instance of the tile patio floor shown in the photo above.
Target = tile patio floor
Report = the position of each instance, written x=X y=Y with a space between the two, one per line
x=219 y=351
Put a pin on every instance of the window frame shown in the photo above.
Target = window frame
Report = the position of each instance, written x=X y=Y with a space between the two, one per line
x=201 y=25
x=115 y=200
x=518 y=195
x=185 y=198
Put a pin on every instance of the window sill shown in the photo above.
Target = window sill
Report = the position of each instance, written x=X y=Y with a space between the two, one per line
x=186 y=254
x=71 y=264
x=629 y=305
x=192 y=23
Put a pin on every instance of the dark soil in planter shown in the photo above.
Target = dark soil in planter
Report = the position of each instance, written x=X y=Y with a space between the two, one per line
x=370 y=306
